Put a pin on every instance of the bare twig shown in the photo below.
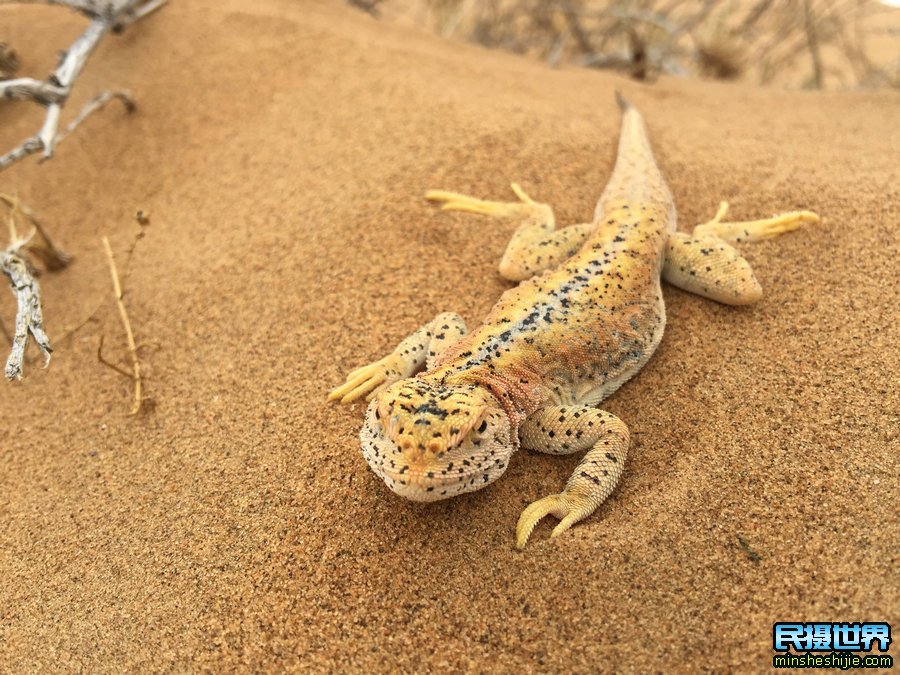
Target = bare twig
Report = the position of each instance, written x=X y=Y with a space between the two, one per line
x=16 y=267
x=105 y=15
x=27 y=88
x=137 y=13
x=116 y=12
x=129 y=334
x=28 y=315
x=95 y=9
x=95 y=104
x=52 y=257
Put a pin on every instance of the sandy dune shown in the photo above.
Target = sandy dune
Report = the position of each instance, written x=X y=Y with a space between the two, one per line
x=282 y=149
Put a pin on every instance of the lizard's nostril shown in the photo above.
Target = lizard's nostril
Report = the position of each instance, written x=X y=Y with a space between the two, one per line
x=413 y=454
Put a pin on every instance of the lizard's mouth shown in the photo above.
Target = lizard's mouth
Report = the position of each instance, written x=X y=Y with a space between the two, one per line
x=419 y=486
x=434 y=484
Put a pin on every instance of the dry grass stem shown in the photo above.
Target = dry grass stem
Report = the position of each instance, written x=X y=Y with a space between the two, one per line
x=129 y=334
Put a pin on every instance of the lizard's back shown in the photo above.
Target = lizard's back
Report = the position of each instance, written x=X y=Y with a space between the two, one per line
x=577 y=332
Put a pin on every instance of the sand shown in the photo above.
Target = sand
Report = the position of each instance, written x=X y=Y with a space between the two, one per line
x=282 y=150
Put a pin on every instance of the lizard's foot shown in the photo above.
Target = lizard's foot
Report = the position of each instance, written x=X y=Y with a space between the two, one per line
x=453 y=201
x=560 y=430
x=536 y=245
x=369 y=380
x=420 y=348
x=569 y=508
x=753 y=230
x=706 y=262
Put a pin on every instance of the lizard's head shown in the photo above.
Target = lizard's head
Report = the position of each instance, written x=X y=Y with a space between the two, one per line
x=430 y=441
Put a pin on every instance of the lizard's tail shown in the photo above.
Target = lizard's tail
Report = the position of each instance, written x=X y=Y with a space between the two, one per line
x=636 y=177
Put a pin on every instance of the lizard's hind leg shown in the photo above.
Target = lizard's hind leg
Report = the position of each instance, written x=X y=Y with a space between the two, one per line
x=707 y=264
x=418 y=350
x=536 y=245
x=561 y=430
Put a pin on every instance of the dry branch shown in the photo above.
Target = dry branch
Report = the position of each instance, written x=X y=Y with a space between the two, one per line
x=95 y=104
x=28 y=316
x=52 y=93
x=105 y=15
x=15 y=266
x=27 y=88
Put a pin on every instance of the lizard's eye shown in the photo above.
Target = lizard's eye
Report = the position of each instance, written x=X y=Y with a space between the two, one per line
x=482 y=427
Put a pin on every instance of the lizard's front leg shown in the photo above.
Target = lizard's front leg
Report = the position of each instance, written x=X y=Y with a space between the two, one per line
x=536 y=245
x=419 y=349
x=567 y=429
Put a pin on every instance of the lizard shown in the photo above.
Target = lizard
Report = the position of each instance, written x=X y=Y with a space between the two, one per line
x=448 y=407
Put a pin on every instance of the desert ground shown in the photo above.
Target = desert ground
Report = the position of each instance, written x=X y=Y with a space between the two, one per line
x=282 y=150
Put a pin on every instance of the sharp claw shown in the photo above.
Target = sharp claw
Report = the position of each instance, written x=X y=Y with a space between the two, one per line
x=533 y=514
x=723 y=210
x=338 y=392
x=520 y=193
x=565 y=524
x=568 y=507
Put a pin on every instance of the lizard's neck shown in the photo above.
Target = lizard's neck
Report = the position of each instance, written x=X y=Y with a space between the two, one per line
x=519 y=393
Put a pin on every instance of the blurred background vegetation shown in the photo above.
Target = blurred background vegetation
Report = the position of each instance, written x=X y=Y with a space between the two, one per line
x=816 y=44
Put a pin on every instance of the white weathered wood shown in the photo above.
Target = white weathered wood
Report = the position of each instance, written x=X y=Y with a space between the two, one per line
x=29 y=319
x=105 y=15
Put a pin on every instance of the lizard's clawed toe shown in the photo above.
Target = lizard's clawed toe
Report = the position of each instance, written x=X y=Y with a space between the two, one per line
x=366 y=380
x=567 y=507
x=454 y=201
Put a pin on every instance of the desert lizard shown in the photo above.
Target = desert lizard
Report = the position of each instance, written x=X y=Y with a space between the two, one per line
x=586 y=317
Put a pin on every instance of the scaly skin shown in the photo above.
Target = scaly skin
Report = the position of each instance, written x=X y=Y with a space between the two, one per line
x=587 y=316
